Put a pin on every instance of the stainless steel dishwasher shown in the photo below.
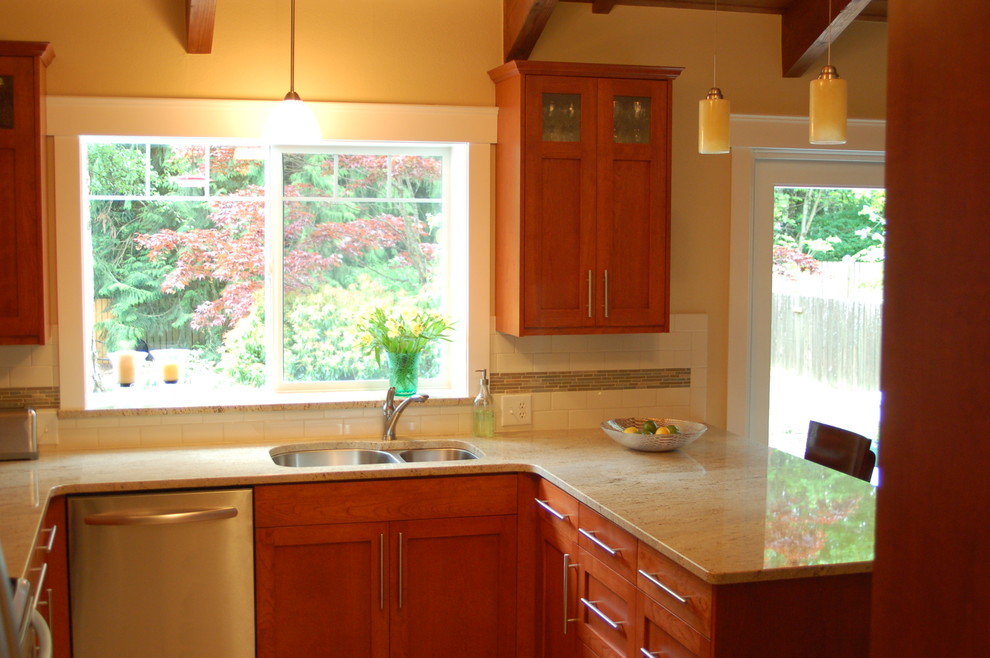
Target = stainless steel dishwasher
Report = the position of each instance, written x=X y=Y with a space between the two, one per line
x=163 y=574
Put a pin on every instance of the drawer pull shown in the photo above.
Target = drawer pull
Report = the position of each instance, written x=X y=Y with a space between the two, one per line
x=682 y=599
x=546 y=505
x=651 y=654
x=591 y=605
x=598 y=542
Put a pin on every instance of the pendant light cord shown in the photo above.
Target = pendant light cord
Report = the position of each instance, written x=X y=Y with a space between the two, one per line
x=829 y=32
x=292 y=47
x=715 y=46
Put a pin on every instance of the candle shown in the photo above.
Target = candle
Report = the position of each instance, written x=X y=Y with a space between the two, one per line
x=170 y=373
x=125 y=369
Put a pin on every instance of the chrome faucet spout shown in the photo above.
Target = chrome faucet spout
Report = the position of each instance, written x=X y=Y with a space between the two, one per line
x=391 y=412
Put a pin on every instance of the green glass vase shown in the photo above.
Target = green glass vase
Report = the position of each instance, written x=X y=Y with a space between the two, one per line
x=403 y=372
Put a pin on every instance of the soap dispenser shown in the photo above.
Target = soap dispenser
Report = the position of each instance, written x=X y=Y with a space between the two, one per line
x=483 y=414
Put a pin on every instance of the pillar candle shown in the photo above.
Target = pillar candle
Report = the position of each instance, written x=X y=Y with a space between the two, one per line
x=125 y=369
x=170 y=373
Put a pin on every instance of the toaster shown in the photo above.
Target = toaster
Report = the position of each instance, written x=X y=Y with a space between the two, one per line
x=18 y=434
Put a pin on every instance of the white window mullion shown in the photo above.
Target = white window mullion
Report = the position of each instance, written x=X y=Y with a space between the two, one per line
x=274 y=249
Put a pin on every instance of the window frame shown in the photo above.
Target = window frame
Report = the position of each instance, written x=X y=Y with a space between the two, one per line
x=474 y=129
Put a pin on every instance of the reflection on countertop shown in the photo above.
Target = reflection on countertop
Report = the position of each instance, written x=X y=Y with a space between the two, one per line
x=726 y=508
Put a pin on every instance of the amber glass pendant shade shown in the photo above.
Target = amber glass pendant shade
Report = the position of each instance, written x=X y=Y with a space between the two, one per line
x=828 y=108
x=713 y=123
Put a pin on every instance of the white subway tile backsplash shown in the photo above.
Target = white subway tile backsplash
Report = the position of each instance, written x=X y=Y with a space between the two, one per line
x=551 y=362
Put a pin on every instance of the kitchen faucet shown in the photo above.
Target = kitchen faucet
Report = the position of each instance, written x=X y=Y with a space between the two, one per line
x=392 y=412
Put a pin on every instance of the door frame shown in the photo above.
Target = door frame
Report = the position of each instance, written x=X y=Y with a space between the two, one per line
x=768 y=151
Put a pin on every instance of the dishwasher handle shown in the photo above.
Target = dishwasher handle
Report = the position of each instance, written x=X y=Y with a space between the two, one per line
x=161 y=517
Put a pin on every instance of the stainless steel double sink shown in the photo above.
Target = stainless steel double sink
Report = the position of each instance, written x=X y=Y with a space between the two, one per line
x=350 y=455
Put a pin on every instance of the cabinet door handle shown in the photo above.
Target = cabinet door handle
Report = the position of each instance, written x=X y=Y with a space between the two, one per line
x=598 y=542
x=590 y=295
x=606 y=294
x=545 y=504
x=567 y=565
x=400 y=571
x=381 y=571
x=651 y=654
x=166 y=517
x=652 y=579
x=591 y=605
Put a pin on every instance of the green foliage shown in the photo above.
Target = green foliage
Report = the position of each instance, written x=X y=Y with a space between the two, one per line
x=320 y=337
x=830 y=224
x=358 y=229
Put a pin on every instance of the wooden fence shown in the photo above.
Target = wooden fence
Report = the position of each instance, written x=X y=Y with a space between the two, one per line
x=830 y=340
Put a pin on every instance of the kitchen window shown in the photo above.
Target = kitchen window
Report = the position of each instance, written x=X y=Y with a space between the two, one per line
x=224 y=272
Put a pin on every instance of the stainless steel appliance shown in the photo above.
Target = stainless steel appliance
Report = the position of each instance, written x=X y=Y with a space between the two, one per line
x=163 y=574
x=18 y=434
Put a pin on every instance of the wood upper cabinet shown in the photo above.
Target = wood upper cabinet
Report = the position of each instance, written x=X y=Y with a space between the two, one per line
x=583 y=201
x=398 y=568
x=23 y=257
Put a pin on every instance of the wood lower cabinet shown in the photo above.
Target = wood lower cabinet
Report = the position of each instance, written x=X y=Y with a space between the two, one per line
x=631 y=601
x=412 y=577
x=50 y=575
x=607 y=609
x=453 y=587
x=582 y=237
x=322 y=586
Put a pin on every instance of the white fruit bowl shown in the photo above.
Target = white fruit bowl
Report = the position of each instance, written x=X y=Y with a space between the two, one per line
x=689 y=431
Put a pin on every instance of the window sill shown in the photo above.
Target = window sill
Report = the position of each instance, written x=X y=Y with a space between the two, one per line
x=178 y=403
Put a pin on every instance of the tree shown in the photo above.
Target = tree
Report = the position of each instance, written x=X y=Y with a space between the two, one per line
x=832 y=224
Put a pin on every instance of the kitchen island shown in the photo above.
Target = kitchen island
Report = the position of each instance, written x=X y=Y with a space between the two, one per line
x=726 y=509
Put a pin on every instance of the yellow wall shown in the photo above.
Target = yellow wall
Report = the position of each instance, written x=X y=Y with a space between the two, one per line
x=422 y=51
x=438 y=52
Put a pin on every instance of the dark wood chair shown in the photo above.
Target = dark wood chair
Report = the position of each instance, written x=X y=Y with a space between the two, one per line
x=839 y=449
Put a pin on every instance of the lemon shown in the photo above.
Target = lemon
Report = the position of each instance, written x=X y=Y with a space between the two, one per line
x=662 y=430
x=630 y=430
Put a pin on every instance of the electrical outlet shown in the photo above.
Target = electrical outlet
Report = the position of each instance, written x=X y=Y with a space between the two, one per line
x=47 y=427
x=517 y=410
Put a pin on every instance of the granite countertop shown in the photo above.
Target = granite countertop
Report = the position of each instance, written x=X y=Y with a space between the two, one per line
x=727 y=509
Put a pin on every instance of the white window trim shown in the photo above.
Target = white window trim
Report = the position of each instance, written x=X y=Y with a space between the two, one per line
x=71 y=117
x=760 y=146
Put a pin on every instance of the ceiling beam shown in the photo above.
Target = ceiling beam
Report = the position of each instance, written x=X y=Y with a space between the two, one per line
x=804 y=31
x=522 y=23
x=200 y=16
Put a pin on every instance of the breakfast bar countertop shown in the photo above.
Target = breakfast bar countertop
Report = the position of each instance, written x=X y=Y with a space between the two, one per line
x=728 y=509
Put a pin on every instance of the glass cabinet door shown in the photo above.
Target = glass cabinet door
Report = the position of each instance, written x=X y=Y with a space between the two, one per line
x=631 y=119
x=561 y=117
x=6 y=101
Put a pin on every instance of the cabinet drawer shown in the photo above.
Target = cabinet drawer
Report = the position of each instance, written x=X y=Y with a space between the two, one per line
x=383 y=500
x=659 y=632
x=674 y=587
x=608 y=542
x=558 y=508
x=606 y=608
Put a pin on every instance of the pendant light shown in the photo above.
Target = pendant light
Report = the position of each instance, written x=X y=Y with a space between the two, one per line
x=827 y=107
x=713 y=110
x=292 y=122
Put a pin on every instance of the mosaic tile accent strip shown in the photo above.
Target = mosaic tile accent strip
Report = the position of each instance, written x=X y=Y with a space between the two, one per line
x=589 y=380
x=42 y=397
